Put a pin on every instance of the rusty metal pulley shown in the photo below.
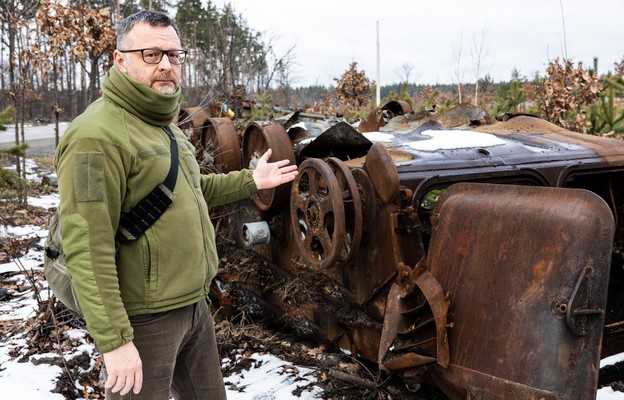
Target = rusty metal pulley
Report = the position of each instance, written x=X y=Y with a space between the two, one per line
x=367 y=197
x=317 y=213
x=352 y=204
x=257 y=140
x=219 y=138
x=382 y=172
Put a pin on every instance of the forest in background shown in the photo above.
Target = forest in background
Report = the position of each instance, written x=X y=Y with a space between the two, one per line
x=54 y=54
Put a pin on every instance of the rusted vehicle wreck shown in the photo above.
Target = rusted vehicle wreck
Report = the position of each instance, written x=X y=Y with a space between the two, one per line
x=481 y=256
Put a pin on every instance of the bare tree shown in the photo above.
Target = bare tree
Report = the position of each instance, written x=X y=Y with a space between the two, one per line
x=280 y=65
x=479 y=53
x=458 y=70
x=565 y=41
x=15 y=15
x=404 y=72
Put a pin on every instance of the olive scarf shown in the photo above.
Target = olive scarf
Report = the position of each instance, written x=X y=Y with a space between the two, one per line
x=139 y=99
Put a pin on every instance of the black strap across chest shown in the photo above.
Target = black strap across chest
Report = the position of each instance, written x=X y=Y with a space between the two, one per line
x=133 y=224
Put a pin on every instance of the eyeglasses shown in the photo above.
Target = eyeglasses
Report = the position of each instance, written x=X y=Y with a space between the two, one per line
x=155 y=56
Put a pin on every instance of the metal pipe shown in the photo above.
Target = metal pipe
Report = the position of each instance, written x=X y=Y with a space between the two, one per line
x=254 y=233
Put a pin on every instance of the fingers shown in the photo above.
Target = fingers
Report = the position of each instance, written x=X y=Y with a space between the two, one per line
x=268 y=175
x=267 y=154
x=111 y=380
x=288 y=169
x=124 y=369
x=281 y=163
x=118 y=383
x=138 y=382
x=126 y=387
x=288 y=173
x=124 y=383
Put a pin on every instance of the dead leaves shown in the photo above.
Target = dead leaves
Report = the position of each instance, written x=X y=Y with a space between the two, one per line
x=566 y=93
x=354 y=90
x=80 y=30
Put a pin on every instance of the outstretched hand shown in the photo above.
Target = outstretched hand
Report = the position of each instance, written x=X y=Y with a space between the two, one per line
x=268 y=175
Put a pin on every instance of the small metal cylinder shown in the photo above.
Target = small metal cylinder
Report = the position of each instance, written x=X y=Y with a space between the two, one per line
x=254 y=233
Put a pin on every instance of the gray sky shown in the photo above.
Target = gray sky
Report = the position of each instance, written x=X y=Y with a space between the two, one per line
x=429 y=37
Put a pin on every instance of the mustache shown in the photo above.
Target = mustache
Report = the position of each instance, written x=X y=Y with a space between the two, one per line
x=166 y=77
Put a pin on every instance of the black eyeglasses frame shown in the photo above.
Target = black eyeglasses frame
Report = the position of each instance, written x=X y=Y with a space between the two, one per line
x=162 y=54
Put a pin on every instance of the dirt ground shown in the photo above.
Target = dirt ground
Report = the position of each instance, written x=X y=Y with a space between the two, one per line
x=340 y=375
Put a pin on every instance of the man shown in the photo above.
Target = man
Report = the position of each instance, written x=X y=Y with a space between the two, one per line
x=145 y=304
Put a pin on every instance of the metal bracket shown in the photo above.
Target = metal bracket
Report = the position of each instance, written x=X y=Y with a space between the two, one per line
x=578 y=309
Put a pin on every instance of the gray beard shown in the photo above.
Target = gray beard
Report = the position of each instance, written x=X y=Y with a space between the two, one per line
x=167 y=90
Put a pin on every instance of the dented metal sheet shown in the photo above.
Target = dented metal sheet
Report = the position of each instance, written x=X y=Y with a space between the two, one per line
x=523 y=310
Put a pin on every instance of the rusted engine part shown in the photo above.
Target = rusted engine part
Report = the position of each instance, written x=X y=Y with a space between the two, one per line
x=326 y=205
x=527 y=319
x=216 y=140
x=415 y=326
x=305 y=301
x=348 y=302
x=318 y=223
x=379 y=265
x=257 y=139
x=326 y=212
x=380 y=116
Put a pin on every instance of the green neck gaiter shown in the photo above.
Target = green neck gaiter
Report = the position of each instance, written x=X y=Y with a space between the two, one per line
x=140 y=100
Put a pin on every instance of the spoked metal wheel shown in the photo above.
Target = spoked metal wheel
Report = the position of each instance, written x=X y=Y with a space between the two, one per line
x=317 y=213
x=352 y=203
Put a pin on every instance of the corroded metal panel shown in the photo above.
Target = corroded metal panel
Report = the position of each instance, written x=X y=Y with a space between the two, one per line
x=526 y=270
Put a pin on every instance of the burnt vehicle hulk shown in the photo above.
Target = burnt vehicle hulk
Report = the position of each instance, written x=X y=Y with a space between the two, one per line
x=481 y=256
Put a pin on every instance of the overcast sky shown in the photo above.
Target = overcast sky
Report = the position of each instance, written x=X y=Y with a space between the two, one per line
x=428 y=36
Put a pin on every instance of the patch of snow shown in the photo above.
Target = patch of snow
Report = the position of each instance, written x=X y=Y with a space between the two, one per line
x=448 y=139
x=47 y=201
x=24 y=380
x=270 y=379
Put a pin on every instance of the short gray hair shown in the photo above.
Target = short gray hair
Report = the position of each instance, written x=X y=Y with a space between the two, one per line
x=153 y=18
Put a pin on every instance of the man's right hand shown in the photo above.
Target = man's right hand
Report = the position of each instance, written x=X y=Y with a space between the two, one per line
x=124 y=369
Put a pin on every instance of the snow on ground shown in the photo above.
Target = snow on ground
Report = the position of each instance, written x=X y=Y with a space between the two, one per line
x=269 y=378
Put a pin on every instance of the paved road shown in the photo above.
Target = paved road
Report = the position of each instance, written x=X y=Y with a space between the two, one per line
x=40 y=138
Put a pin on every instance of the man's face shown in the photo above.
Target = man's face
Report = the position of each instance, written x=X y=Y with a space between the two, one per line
x=163 y=77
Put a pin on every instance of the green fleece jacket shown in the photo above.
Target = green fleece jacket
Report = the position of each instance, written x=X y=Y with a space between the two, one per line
x=110 y=157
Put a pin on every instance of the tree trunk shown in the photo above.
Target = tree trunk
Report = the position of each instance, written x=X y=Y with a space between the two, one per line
x=12 y=27
x=71 y=88
x=57 y=106
x=83 y=88
x=93 y=76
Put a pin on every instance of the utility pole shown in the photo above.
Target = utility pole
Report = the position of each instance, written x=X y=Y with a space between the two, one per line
x=378 y=94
